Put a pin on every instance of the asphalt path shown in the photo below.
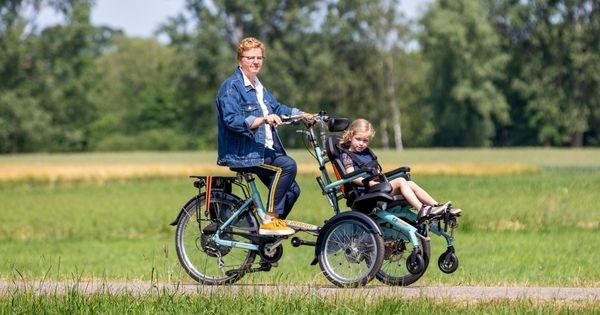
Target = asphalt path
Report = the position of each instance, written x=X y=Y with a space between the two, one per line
x=436 y=292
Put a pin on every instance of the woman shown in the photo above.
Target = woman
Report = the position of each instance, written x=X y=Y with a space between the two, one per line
x=247 y=137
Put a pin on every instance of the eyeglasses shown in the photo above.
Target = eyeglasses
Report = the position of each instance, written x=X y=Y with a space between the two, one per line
x=252 y=58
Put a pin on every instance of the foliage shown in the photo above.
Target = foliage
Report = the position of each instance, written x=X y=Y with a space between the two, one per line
x=466 y=64
x=483 y=73
x=137 y=93
x=555 y=79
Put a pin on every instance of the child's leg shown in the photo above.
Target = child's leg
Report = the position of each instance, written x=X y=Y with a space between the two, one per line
x=423 y=196
x=401 y=186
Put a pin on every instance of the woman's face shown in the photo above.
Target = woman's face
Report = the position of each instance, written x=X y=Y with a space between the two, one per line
x=359 y=141
x=251 y=62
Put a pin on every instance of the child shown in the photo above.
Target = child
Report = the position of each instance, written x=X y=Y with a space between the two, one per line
x=356 y=140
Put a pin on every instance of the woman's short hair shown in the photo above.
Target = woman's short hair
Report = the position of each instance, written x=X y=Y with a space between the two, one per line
x=247 y=44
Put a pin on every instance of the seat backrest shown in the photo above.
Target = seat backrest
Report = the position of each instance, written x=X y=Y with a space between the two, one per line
x=333 y=153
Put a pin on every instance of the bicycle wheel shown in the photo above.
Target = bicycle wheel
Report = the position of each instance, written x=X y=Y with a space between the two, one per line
x=203 y=259
x=394 y=270
x=351 y=253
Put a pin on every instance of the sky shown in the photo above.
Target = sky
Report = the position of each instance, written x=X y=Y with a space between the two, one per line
x=140 y=18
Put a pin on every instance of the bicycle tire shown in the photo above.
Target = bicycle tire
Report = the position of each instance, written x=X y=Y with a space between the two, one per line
x=198 y=254
x=393 y=269
x=351 y=253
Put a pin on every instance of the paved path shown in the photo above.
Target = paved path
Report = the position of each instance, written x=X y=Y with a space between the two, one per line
x=438 y=292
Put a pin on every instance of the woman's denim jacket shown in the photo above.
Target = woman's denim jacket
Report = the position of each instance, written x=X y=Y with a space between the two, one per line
x=237 y=107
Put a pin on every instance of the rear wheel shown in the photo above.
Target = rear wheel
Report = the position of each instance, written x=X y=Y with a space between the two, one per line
x=351 y=253
x=201 y=257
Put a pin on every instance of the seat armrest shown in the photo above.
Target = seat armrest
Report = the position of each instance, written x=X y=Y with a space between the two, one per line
x=379 y=177
x=400 y=170
x=357 y=172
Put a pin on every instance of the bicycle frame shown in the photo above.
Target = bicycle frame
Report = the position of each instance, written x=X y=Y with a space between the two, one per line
x=435 y=229
x=253 y=197
x=331 y=189
x=229 y=219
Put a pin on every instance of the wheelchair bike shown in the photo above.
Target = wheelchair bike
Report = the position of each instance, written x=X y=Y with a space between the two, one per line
x=217 y=237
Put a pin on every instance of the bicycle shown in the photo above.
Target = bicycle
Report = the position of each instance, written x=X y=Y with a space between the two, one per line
x=217 y=236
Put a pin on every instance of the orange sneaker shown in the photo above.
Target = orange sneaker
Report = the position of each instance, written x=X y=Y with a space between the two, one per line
x=275 y=227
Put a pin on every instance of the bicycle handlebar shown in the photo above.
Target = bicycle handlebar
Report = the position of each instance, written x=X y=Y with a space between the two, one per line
x=330 y=123
x=296 y=119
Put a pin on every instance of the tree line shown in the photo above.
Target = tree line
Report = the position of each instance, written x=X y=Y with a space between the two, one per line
x=486 y=73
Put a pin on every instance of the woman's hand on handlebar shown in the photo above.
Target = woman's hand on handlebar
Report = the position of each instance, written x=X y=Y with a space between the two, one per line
x=273 y=120
x=309 y=119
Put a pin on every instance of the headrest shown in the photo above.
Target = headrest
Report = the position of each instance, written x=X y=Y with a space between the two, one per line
x=337 y=124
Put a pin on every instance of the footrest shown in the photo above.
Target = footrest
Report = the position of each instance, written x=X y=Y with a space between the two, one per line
x=301 y=226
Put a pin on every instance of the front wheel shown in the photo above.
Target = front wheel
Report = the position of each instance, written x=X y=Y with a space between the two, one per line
x=201 y=257
x=448 y=261
x=351 y=253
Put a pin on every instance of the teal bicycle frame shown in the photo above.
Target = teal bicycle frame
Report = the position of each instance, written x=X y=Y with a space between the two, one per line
x=254 y=199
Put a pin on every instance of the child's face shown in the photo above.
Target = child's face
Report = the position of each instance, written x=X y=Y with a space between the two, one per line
x=359 y=141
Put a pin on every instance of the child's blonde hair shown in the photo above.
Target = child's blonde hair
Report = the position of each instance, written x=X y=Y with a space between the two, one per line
x=358 y=125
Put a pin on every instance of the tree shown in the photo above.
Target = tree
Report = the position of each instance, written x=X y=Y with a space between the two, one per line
x=48 y=73
x=24 y=126
x=65 y=75
x=365 y=40
x=556 y=62
x=136 y=91
x=466 y=66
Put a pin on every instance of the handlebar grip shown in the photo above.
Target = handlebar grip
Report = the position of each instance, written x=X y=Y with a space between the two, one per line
x=291 y=119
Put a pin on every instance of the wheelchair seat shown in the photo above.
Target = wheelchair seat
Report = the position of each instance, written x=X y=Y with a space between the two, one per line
x=360 y=198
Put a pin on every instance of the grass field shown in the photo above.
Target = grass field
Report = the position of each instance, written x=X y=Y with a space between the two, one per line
x=531 y=219
x=100 y=167
x=260 y=303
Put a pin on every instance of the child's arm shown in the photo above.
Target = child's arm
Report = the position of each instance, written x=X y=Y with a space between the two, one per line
x=349 y=168
x=357 y=181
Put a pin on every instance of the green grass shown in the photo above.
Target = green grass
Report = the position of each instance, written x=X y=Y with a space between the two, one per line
x=260 y=303
x=534 y=229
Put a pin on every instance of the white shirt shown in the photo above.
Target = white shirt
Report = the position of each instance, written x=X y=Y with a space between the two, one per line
x=259 y=96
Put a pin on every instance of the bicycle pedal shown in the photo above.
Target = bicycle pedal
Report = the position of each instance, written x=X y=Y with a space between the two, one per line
x=301 y=226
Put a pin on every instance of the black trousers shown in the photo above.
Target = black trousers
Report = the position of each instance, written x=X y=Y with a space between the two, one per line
x=278 y=173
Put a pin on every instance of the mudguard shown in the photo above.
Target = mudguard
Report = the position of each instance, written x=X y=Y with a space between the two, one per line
x=354 y=215
x=181 y=212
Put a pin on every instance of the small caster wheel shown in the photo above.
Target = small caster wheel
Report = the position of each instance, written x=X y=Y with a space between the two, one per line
x=448 y=262
x=415 y=263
